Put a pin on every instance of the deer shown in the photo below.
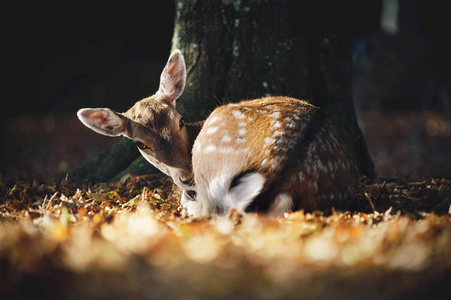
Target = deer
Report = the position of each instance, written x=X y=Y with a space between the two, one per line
x=267 y=155
x=153 y=123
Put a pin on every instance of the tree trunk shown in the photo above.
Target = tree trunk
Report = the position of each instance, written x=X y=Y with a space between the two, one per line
x=246 y=49
x=238 y=50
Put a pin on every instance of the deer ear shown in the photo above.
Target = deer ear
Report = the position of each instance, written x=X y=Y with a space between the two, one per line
x=173 y=77
x=103 y=121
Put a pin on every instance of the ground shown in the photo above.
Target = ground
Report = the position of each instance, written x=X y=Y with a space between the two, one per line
x=132 y=239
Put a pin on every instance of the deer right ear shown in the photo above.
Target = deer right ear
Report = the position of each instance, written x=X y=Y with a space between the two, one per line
x=173 y=77
x=103 y=121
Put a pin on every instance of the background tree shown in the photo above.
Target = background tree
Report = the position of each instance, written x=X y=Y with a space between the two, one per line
x=246 y=49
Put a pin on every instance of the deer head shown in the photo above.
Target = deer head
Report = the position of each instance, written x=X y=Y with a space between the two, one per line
x=153 y=123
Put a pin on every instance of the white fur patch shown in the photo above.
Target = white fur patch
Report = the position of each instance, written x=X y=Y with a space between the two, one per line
x=270 y=141
x=281 y=204
x=276 y=124
x=211 y=130
x=226 y=138
x=274 y=115
x=213 y=120
x=185 y=198
x=210 y=148
x=248 y=188
x=197 y=146
x=191 y=206
x=239 y=197
x=238 y=115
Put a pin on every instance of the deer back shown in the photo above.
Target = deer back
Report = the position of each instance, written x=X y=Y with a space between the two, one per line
x=271 y=155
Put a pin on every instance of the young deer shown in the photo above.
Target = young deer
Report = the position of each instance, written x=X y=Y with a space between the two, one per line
x=154 y=125
x=267 y=155
x=270 y=155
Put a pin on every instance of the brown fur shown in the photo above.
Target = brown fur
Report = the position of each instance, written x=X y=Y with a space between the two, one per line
x=288 y=141
x=267 y=154
x=154 y=124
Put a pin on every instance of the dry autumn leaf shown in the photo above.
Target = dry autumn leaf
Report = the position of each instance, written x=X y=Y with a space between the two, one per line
x=132 y=237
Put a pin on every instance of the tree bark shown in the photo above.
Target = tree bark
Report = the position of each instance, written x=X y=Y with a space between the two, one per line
x=246 y=49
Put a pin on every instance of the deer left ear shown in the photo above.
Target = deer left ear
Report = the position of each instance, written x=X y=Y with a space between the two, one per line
x=173 y=77
x=103 y=121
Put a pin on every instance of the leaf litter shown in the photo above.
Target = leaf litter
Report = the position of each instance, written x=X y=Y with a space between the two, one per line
x=132 y=238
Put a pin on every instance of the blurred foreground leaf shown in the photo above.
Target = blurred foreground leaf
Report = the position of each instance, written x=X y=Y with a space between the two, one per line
x=131 y=238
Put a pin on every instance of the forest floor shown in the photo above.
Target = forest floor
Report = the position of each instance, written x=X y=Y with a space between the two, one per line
x=131 y=238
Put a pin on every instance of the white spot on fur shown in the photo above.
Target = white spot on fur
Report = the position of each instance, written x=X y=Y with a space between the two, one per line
x=282 y=140
x=242 y=124
x=238 y=115
x=283 y=149
x=210 y=148
x=197 y=146
x=240 y=140
x=269 y=141
x=242 y=131
x=211 y=130
x=213 y=120
x=276 y=124
x=290 y=123
x=226 y=138
x=274 y=115
x=264 y=162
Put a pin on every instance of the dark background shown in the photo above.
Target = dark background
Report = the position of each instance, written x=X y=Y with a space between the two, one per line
x=59 y=58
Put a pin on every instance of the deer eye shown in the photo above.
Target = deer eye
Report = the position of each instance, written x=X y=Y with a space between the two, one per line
x=181 y=124
x=141 y=146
